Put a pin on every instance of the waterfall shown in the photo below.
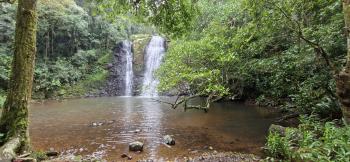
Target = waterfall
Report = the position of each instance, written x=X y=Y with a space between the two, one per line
x=154 y=55
x=128 y=68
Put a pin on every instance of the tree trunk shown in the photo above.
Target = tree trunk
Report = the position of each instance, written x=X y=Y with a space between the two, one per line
x=343 y=79
x=14 y=119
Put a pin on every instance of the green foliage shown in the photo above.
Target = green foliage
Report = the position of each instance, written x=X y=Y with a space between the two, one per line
x=71 y=45
x=284 y=67
x=254 y=50
x=311 y=141
x=39 y=155
x=7 y=26
x=91 y=84
x=49 y=78
x=195 y=68
x=171 y=16
x=62 y=29
x=5 y=67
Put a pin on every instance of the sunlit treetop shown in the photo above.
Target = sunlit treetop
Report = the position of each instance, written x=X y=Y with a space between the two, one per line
x=173 y=17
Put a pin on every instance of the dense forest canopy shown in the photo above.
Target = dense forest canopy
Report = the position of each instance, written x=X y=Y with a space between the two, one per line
x=262 y=50
x=72 y=42
x=276 y=53
x=173 y=17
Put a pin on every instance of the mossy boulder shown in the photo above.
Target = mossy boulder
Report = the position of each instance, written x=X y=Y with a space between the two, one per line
x=140 y=43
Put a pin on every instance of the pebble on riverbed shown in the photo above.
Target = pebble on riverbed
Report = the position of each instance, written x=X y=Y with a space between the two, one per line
x=97 y=124
x=126 y=156
x=227 y=156
x=136 y=146
x=169 y=140
x=52 y=153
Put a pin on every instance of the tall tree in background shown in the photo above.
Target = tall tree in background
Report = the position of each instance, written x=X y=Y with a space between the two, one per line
x=14 y=119
x=343 y=80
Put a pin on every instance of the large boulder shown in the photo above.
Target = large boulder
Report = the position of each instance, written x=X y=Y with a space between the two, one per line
x=136 y=146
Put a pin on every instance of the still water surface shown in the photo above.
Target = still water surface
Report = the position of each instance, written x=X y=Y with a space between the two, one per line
x=72 y=127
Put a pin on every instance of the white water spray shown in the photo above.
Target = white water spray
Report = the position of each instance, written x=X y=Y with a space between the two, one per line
x=154 y=55
x=129 y=74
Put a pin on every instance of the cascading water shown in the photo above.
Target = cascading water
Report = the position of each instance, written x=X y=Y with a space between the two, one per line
x=154 y=55
x=128 y=68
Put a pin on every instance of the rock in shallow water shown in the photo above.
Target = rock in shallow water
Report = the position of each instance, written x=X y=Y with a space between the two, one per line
x=136 y=146
x=126 y=156
x=169 y=140
x=52 y=153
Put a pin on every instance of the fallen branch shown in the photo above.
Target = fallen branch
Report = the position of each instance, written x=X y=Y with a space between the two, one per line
x=177 y=102
x=24 y=155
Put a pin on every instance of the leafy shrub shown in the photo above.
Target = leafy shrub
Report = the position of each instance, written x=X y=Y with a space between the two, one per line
x=313 y=140
x=5 y=66
x=39 y=155
x=52 y=76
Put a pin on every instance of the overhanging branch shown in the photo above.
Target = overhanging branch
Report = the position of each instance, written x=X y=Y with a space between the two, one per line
x=317 y=47
x=184 y=100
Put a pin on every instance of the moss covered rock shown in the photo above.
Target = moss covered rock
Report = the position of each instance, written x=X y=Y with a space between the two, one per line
x=139 y=45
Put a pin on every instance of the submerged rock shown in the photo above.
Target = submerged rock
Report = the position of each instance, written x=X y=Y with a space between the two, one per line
x=126 y=156
x=194 y=152
x=52 y=153
x=111 y=121
x=96 y=124
x=169 y=140
x=136 y=146
x=137 y=131
x=148 y=160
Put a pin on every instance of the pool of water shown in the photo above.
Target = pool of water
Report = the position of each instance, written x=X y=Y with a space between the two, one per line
x=103 y=127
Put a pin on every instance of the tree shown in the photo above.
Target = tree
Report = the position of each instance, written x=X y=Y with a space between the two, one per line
x=173 y=17
x=343 y=78
x=14 y=119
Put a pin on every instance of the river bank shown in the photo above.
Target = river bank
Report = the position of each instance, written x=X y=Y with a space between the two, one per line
x=205 y=157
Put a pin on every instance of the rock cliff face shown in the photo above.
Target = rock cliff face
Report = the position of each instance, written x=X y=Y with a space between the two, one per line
x=140 y=43
x=115 y=85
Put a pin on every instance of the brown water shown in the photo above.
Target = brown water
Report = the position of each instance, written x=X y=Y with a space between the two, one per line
x=66 y=126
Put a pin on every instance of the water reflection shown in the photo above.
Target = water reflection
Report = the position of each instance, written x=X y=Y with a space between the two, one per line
x=152 y=114
x=68 y=126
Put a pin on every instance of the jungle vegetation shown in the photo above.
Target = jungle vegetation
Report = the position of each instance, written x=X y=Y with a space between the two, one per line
x=288 y=54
